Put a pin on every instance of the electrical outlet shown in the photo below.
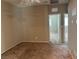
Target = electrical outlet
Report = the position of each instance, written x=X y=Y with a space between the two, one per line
x=36 y=37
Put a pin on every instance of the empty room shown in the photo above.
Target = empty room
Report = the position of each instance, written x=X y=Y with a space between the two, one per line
x=38 y=29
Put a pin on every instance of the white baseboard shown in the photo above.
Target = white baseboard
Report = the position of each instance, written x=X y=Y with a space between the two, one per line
x=37 y=41
x=13 y=45
x=21 y=42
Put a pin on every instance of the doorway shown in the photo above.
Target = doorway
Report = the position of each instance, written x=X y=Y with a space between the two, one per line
x=54 y=28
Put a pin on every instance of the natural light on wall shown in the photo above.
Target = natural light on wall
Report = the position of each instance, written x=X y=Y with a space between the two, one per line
x=54 y=28
x=66 y=28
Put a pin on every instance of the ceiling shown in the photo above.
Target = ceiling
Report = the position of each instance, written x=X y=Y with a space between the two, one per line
x=24 y=3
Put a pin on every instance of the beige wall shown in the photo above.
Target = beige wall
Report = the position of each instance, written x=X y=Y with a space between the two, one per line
x=18 y=25
x=35 y=24
x=72 y=34
x=10 y=27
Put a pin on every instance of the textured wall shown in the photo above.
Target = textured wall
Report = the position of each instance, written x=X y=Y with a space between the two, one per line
x=35 y=24
x=23 y=25
x=72 y=28
x=10 y=27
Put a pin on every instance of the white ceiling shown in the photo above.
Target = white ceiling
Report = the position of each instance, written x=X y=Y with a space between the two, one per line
x=24 y=3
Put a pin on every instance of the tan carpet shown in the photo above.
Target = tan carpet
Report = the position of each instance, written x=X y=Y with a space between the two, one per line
x=38 y=51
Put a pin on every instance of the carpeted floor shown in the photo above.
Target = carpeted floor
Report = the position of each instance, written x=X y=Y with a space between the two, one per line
x=38 y=51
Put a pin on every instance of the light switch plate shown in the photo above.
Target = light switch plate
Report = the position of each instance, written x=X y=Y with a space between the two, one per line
x=74 y=12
